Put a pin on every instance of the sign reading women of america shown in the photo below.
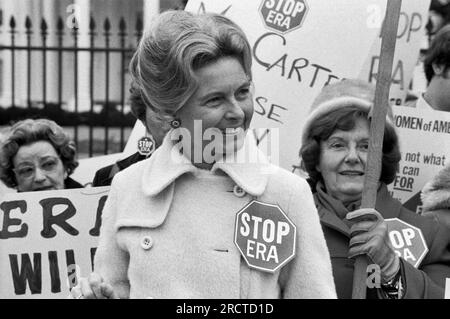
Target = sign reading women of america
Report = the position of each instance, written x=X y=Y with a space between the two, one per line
x=48 y=241
x=425 y=148
x=300 y=46
x=265 y=236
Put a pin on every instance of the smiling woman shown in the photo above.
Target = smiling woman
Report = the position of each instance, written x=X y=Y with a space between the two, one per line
x=37 y=155
x=334 y=152
x=222 y=108
x=168 y=226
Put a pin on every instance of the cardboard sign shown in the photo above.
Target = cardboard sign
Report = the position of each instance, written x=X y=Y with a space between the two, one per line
x=407 y=240
x=424 y=144
x=265 y=236
x=330 y=40
x=410 y=34
x=283 y=16
x=48 y=240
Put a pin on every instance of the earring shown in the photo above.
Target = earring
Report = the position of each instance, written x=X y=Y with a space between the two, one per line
x=175 y=123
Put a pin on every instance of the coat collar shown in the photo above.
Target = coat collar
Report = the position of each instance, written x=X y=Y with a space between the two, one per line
x=248 y=168
x=385 y=204
x=331 y=220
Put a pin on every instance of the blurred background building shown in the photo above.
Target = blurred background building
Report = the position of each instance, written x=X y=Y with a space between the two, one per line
x=67 y=60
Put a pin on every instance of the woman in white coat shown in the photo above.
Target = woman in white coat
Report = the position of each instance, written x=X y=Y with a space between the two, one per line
x=184 y=223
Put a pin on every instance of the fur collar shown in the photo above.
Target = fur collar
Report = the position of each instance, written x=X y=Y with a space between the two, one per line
x=249 y=168
x=436 y=193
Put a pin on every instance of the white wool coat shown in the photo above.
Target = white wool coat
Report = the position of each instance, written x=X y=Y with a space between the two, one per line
x=168 y=231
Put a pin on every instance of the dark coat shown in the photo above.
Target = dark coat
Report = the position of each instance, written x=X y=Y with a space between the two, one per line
x=104 y=176
x=426 y=282
x=70 y=183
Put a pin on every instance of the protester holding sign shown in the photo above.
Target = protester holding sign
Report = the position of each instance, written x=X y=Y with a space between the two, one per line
x=203 y=217
x=334 y=151
x=436 y=197
x=38 y=155
x=146 y=145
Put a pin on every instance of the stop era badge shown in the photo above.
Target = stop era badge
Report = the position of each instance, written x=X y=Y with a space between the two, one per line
x=407 y=240
x=265 y=236
x=146 y=145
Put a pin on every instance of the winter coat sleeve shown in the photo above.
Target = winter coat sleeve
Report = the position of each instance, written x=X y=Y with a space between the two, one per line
x=111 y=261
x=309 y=274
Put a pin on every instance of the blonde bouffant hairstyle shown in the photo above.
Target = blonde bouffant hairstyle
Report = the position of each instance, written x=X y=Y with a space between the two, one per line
x=172 y=48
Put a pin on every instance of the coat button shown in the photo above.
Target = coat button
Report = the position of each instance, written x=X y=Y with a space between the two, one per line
x=238 y=191
x=147 y=242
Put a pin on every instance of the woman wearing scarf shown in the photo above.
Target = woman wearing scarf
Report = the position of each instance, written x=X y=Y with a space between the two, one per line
x=334 y=153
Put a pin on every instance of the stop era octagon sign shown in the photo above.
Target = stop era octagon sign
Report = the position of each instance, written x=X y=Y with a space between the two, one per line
x=283 y=15
x=407 y=240
x=265 y=236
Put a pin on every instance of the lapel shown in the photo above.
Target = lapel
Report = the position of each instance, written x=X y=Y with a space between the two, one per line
x=160 y=172
x=167 y=164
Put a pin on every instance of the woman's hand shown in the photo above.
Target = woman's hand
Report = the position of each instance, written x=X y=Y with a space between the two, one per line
x=93 y=287
x=369 y=236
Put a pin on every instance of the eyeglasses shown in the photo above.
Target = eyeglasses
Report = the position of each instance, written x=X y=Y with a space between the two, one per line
x=27 y=171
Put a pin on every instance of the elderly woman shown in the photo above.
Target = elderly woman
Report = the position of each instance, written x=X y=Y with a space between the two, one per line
x=168 y=227
x=334 y=152
x=37 y=155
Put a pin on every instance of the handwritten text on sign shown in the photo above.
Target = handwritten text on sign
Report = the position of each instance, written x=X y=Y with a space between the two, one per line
x=48 y=240
x=407 y=240
x=423 y=136
x=265 y=236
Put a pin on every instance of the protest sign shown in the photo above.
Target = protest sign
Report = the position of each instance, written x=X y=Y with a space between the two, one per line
x=48 y=240
x=407 y=241
x=425 y=148
x=410 y=34
x=313 y=43
x=265 y=236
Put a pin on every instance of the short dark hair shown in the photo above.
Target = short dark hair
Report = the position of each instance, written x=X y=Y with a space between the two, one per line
x=438 y=53
x=29 y=131
x=345 y=119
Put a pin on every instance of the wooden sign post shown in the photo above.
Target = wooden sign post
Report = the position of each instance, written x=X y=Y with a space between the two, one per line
x=379 y=112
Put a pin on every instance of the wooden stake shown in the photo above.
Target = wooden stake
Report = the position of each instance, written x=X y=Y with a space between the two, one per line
x=373 y=165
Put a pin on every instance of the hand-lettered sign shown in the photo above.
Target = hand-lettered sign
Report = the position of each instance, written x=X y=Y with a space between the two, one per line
x=265 y=236
x=48 y=240
x=407 y=240
x=424 y=144
x=298 y=47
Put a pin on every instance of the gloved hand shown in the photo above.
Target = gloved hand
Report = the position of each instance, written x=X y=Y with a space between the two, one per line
x=93 y=287
x=369 y=236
